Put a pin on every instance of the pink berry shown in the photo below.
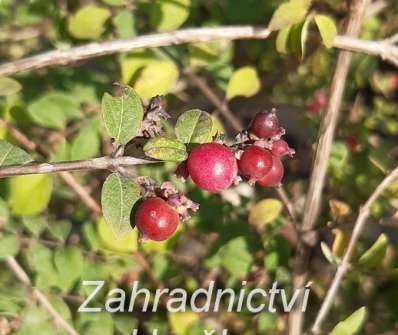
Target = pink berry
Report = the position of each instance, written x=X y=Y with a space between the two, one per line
x=255 y=162
x=274 y=177
x=212 y=166
x=265 y=124
x=156 y=220
x=280 y=148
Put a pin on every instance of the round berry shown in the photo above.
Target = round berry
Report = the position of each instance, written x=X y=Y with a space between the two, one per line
x=265 y=124
x=280 y=148
x=275 y=175
x=156 y=220
x=255 y=162
x=212 y=166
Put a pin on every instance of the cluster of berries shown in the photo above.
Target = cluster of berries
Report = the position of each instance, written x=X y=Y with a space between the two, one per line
x=255 y=156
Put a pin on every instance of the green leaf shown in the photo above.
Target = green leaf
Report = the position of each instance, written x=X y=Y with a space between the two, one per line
x=9 y=86
x=352 y=325
x=126 y=244
x=131 y=64
x=265 y=211
x=165 y=149
x=86 y=145
x=169 y=14
x=282 y=40
x=157 y=78
x=124 y=23
x=35 y=225
x=328 y=254
x=9 y=246
x=236 y=257
x=304 y=34
x=327 y=29
x=88 y=22
x=287 y=14
x=54 y=109
x=374 y=256
x=69 y=264
x=243 y=82
x=194 y=126
x=29 y=195
x=118 y=196
x=10 y=154
x=60 y=229
x=122 y=115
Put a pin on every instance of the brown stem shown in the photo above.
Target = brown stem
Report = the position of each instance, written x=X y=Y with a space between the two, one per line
x=25 y=280
x=345 y=263
x=326 y=135
x=384 y=50
x=101 y=163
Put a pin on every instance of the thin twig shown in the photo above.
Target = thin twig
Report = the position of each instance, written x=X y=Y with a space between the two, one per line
x=201 y=84
x=317 y=181
x=287 y=203
x=92 y=50
x=101 y=163
x=345 y=263
x=25 y=280
x=67 y=177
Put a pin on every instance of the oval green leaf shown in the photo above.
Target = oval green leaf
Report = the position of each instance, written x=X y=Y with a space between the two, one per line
x=122 y=115
x=118 y=196
x=352 y=325
x=9 y=86
x=243 y=82
x=10 y=154
x=287 y=14
x=168 y=15
x=194 y=126
x=29 y=195
x=9 y=246
x=157 y=78
x=327 y=29
x=166 y=149
x=374 y=256
x=88 y=22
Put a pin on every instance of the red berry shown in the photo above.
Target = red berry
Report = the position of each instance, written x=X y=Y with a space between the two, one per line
x=255 y=162
x=156 y=220
x=280 y=148
x=274 y=177
x=265 y=124
x=212 y=166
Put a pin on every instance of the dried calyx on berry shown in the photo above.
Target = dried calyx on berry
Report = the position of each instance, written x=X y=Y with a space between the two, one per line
x=152 y=122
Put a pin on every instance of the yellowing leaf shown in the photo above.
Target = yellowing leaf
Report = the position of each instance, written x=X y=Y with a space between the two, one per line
x=88 y=22
x=30 y=194
x=282 y=40
x=133 y=62
x=181 y=321
x=339 y=209
x=166 y=149
x=128 y=243
x=169 y=14
x=157 y=78
x=287 y=14
x=340 y=242
x=243 y=82
x=265 y=212
x=327 y=29
x=217 y=128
